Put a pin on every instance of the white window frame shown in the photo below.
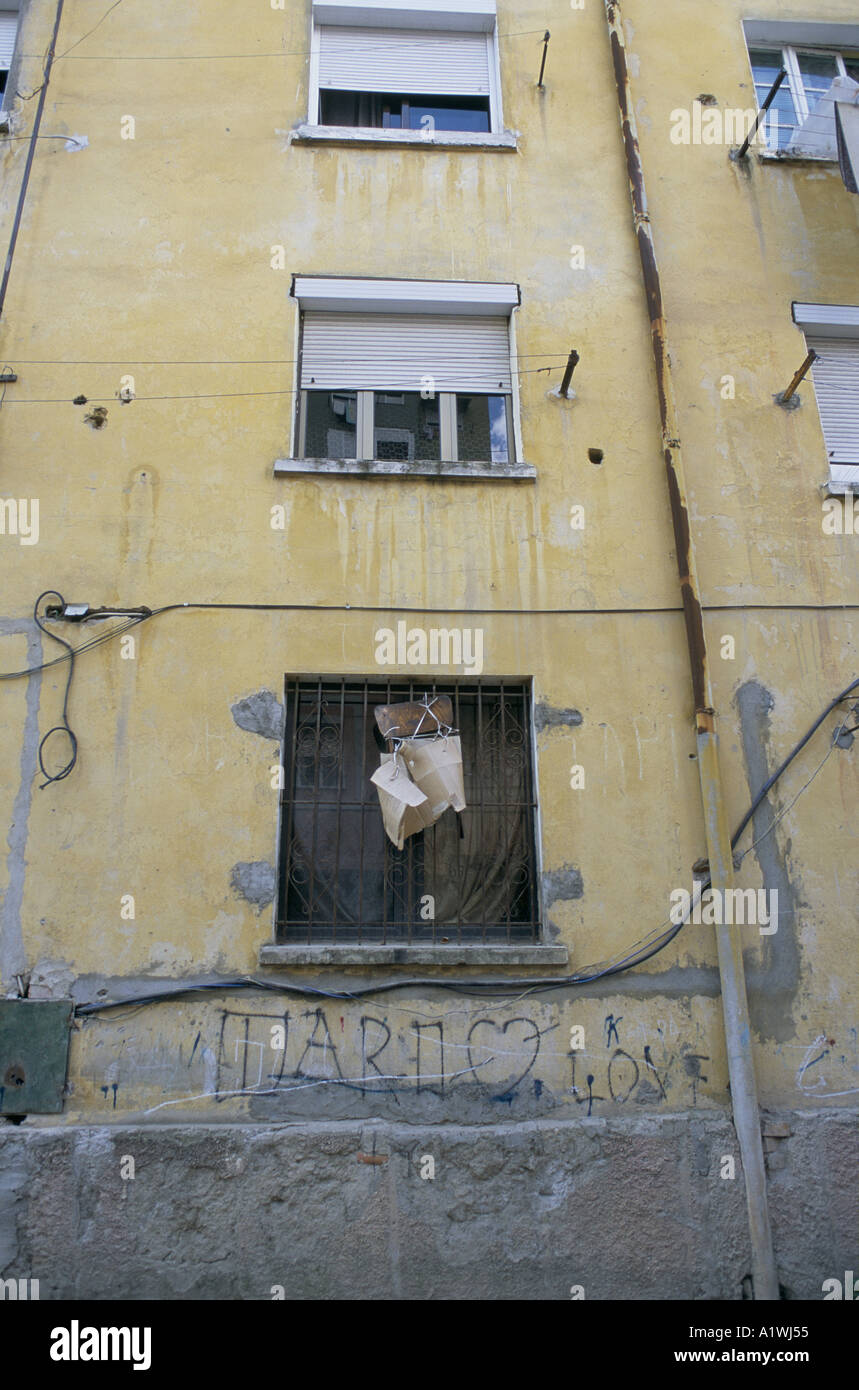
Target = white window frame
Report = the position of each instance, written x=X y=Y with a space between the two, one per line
x=790 y=60
x=411 y=14
x=808 y=38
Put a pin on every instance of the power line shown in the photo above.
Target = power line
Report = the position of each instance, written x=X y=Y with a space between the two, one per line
x=392 y=48
x=774 y=822
x=69 y=139
x=214 y=361
x=65 y=53
x=134 y=619
x=228 y=395
x=204 y=396
x=64 y=727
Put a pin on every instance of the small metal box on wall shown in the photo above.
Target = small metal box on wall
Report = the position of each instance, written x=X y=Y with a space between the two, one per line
x=34 y=1051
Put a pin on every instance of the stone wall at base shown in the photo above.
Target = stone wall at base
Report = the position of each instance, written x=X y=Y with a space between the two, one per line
x=608 y=1209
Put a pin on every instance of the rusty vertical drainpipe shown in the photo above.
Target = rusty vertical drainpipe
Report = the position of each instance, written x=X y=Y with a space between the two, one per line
x=735 y=1006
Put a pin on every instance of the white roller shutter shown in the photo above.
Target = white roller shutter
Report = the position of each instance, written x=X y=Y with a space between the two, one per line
x=8 y=30
x=836 y=385
x=421 y=62
x=393 y=352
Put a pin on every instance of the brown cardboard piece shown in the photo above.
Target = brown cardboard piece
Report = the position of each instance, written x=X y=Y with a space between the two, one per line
x=405 y=808
x=418 y=783
x=435 y=765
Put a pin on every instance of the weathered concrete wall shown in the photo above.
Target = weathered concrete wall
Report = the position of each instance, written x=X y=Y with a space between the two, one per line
x=625 y=1209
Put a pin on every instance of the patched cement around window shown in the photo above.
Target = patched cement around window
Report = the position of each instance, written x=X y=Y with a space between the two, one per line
x=255 y=882
x=261 y=714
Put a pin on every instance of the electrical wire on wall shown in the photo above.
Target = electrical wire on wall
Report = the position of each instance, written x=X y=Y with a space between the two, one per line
x=134 y=616
x=65 y=727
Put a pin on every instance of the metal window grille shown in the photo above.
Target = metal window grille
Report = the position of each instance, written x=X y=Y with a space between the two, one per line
x=340 y=877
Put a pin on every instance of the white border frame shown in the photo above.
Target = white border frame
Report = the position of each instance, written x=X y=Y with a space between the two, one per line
x=827 y=320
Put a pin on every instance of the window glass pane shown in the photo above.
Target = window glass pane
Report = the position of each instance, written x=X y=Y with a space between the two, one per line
x=453 y=113
x=405 y=426
x=818 y=69
x=392 y=112
x=482 y=429
x=851 y=64
x=353 y=108
x=331 y=429
x=338 y=108
x=818 y=72
x=781 y=119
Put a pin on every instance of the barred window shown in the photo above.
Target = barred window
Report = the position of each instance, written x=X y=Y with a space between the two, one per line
x=469 y=879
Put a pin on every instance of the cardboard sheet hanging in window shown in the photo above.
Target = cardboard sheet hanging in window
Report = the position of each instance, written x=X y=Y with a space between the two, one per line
x=422 y=778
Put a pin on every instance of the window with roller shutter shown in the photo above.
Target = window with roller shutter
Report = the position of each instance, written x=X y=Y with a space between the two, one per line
x=8 y=34
x=832 y=331
x=407 y=375
x=836 y=385
x=427 y=67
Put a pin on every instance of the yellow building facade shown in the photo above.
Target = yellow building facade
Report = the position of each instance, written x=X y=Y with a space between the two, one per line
x=191 y=232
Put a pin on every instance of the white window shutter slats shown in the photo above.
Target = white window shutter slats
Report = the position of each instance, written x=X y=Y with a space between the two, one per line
x=400 y=352
x=836 y=385
x=403 y=61
x=8 y=30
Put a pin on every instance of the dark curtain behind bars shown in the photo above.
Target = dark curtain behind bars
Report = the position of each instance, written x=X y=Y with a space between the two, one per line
x=342 y=877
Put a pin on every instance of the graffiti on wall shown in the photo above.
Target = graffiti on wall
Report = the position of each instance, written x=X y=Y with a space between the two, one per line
x=501 y=1054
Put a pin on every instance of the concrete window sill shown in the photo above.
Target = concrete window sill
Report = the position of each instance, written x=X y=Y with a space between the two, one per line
x=834 y=489
x=414 y=955
x=790 y=157
x=400 y=468
x=440 y=140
